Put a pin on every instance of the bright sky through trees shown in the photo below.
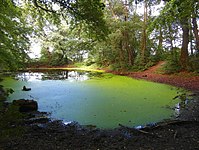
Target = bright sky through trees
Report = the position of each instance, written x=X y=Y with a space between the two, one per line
x=35 y=50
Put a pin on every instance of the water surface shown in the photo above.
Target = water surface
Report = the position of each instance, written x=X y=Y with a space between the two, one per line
x=104 y=100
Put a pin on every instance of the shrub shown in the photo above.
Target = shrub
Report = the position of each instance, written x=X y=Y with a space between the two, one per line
x=193 y=64
x=171 y=67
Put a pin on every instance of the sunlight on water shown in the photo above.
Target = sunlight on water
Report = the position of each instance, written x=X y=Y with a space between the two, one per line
x=104 y=100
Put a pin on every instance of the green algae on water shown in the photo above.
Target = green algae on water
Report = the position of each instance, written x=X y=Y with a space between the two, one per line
x=100 y=99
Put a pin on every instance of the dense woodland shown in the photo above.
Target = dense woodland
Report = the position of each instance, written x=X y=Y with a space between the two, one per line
x=118 y=34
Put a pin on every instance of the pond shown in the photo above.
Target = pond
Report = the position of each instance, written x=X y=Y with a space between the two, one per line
x=93 y=98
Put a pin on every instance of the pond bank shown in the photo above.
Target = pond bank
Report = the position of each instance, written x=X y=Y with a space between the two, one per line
x=174 y=134
x=186 y=80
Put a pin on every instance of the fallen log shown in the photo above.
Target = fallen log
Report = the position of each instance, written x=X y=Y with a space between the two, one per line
x=172 y=122
x=136 y=130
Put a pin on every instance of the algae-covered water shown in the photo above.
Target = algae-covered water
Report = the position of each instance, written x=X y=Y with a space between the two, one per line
x=100 y=99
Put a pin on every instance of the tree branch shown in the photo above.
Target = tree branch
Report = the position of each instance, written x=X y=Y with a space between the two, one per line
x=47 y=10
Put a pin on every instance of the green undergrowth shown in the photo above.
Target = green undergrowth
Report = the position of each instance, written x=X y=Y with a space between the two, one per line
x=170 y=67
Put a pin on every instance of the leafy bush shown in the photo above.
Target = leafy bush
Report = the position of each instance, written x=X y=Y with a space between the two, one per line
x=142 y=67
x=171 y=67
x=115 y=67
x=120 y=67
x=149 y=64
x=193 y=64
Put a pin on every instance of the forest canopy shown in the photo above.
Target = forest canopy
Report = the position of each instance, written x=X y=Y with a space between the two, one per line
x=119 y=34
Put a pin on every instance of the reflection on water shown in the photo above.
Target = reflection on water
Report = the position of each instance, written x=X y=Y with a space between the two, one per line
x=53 y=75
x=184 y=100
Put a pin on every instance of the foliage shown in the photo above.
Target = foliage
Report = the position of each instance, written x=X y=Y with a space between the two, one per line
x=193 y=64
x=13 y=36
x=178 y=12
x=23 y=19
x=59 y=49
x=122 y=44
x=85 y=12
x=172 y=65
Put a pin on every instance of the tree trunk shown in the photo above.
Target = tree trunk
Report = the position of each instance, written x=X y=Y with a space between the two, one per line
x=173 y=50
x=195 y=31
x=170 y=37
x=144 y=36
x=185 y=42
x=121 y=54
x=191 y=41
x=111 y=9
x=127 y=48
x=160 y=47
x=125 y=41
x=130 y=53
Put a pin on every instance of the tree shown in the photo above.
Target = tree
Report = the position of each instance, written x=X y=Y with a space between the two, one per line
x=23 y=19
x=66 y=45
x=122 y=44
x=195 y=13
x=144 y=35
x=180 y=11
x=75 y=12
x=14 y=42
x=185 y=42
x=46 y=56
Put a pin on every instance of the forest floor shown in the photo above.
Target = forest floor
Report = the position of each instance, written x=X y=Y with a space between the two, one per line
x=181 y=133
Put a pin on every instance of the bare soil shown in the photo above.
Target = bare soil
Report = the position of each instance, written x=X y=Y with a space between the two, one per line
x=182 y=133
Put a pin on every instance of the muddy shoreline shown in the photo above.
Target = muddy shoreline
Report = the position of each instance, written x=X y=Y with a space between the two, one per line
x=180 y=133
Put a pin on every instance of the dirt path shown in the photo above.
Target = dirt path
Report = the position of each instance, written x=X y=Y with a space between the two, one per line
x=184 y=79
x=155 y=68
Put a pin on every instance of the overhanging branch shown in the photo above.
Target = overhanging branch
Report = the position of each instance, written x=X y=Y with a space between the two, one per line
x=47 y=10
